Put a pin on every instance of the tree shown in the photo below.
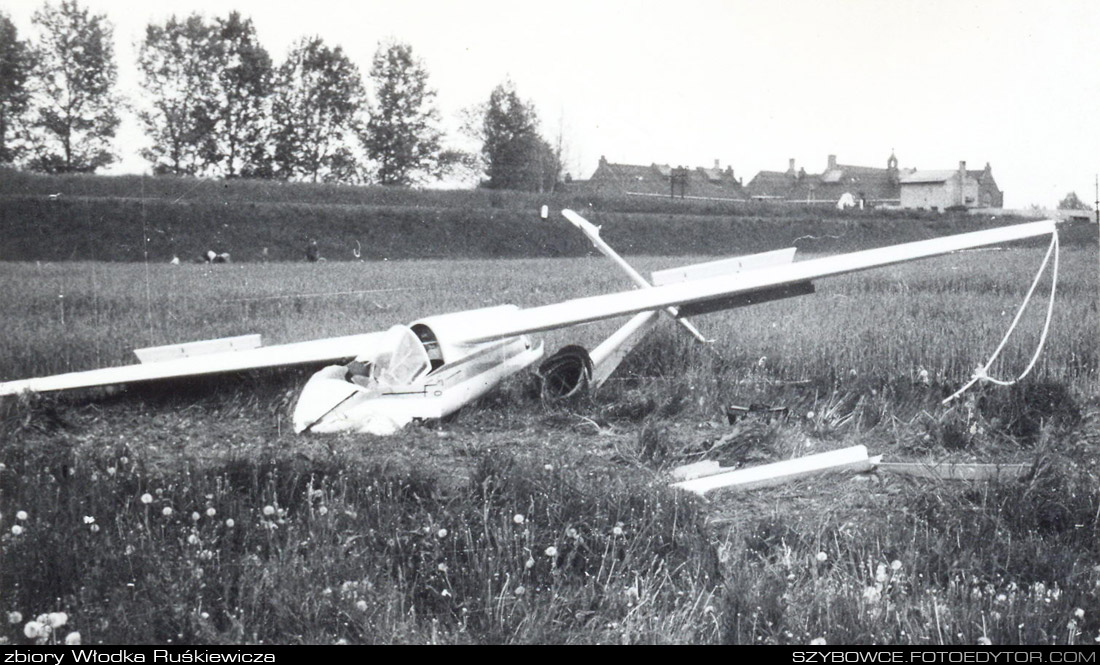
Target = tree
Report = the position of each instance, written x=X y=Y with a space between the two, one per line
x=317 y=100
x=244 y=95
x=401 y=135
x=516 y=156
x=75 y=108
x=15 y=66
x=1073 y=202
x=175 y=61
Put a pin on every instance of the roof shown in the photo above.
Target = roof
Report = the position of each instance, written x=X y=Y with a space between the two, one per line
x=655 y=179
x=873 y=184
x=917 y=177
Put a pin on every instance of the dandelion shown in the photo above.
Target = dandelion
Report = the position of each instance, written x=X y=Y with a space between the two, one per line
x=269 y=510
x=518 y=518
x=210 y=512
x=442 y=567
x=167 y=512
x=445 y=593
x=530 y=563
x=124 y=460
x=21 y=515
x=16 y=530
x=895 y=565
x=548 y=467
x=323 y=510
x=15 y=617
x=551 y=551
x=57 y=619
x=810 y=416
x=88 y=519
x=571 y=532
x=1079 y=613
x=193 y=539
x=985 y=641
x=73 y=639
x=442 y=533
x=147 y=498
x=871 y=595
x=229 y=522
x=195 y=517
x=361 y=605
x=818 y=642
x=880 y=573
x=617 y=530
x=341 y=642
x=94 y=528
x=110 y=472
x=520 y=591
x=822 y=557
x=34 y=629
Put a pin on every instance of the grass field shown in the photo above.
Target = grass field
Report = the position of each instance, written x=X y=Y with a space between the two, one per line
x=189 y=513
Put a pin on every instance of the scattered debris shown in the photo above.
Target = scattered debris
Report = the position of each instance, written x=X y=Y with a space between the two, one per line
x=854 y=458
x=701 y=477
x=735 y=412
x=956 y=471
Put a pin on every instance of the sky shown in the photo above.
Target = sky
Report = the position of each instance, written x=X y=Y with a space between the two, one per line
x=749 y=83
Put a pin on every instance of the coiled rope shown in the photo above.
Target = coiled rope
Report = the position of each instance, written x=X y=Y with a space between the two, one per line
x=982 y=372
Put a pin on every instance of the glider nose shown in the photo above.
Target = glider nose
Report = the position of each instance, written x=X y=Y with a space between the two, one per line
x=324 y=392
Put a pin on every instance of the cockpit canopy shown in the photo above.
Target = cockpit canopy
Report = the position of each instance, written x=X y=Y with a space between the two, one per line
x=398 y=361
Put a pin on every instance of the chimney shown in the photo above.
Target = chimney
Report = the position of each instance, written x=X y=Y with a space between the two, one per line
x=716 y=166
x=962 y=169
x=832 y=162
x=790 y=165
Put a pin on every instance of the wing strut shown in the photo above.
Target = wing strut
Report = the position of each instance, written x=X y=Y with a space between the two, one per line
x=593 y=233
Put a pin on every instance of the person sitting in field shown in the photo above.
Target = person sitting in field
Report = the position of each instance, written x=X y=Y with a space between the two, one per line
x=214 y=257
x=313 y=253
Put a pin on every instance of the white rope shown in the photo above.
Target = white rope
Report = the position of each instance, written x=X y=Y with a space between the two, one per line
x=982 y=372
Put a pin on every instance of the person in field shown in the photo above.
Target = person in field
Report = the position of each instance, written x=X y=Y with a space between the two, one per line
x=313 y=253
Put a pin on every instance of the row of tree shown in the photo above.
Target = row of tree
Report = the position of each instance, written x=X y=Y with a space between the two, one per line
x=215 y=104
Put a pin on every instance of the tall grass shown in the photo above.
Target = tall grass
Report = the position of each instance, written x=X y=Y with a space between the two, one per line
x=277 y=549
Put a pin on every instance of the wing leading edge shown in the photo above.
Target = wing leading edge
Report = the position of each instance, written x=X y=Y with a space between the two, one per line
x=583 y=310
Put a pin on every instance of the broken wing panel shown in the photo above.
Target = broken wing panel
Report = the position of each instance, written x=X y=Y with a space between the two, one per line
x=322 y=350
x=582 y=310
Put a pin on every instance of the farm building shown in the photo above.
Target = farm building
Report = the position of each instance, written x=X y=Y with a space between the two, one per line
x=665 y=180
x=939 y=190
x=863 y=185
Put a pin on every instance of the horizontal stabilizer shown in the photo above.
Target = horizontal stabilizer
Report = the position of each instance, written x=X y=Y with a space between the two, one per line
x=156 y=354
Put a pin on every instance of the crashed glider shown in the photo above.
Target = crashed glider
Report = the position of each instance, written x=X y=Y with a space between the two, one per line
x=433 y=367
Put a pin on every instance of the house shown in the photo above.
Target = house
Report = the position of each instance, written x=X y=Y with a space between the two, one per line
x=940 y=190
x=838 y=183
x=665 y=180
